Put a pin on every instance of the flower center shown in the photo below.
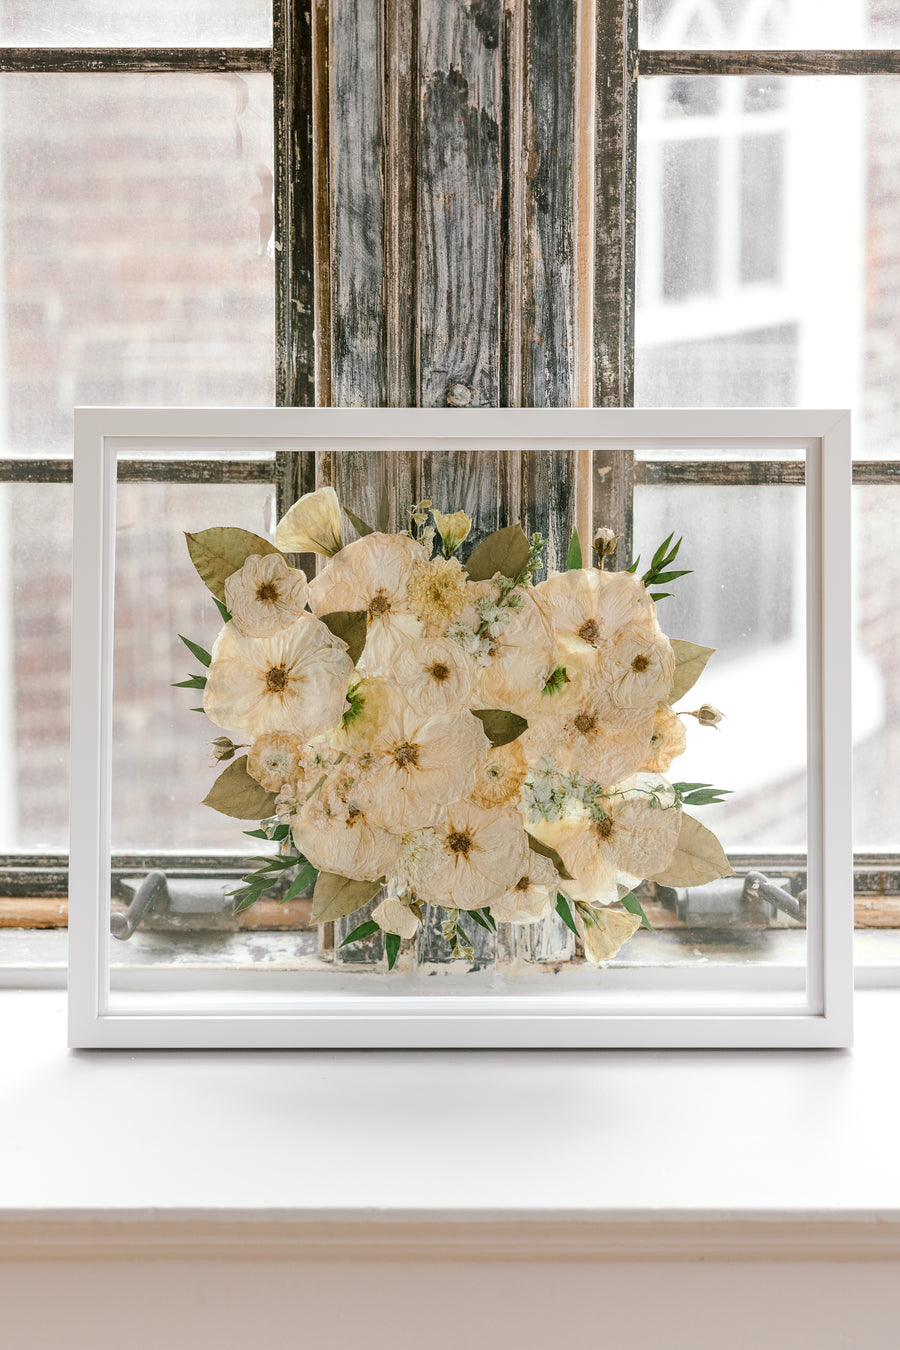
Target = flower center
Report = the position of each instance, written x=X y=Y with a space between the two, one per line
x=353 y=812
x=439 y=672
x=406 y=754
x=276 y=679
x=494 y=771
x=380 y=603
x=589 y=632
x=604 y=827
x=522 y=884
x=267 y=592
x=585 y=722
x=640 y=664
x=460 y=842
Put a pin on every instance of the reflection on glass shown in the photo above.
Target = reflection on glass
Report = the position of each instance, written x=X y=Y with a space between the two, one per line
x=735 y=24
x=138 y=221
x=125 y=23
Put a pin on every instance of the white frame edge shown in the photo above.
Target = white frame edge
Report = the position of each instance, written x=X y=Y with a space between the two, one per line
x=825 y=436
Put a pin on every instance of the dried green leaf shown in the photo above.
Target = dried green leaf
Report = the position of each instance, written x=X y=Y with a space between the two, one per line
x=336 y=896
x=698 y=858
x=480 y=920
x=222 y=608
x=547 y=852
x=349 y=624
x=384 y=511
x=192 y=682
x=392 y=948
x=361 y=528
x=565 y=913
x=634 y=566
x=573 y=557
x=304 y=878
x=501 y=727
x=219 y=552
x=689 y=663
x=660 y=578
x=367 y=929
x=505 y=551
x=201 y=653
x=634 y=906
x=236 y=794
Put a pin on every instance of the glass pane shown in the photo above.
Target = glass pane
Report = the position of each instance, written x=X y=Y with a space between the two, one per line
x=35 y=600
x=794 y=24
x=137 y=242
x=127 y=23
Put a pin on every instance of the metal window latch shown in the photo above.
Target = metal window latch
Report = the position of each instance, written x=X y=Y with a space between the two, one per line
x=728 y=900
x=158 y=894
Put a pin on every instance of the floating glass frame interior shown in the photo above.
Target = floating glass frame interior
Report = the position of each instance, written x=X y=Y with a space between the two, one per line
x=782 y=636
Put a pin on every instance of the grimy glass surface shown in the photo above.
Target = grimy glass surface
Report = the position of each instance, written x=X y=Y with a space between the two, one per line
x=137 y=238
x=132 y=23
x=792 y=24
x=744 y=596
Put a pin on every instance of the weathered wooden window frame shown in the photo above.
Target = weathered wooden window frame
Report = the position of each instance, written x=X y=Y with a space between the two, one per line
x=297 y=61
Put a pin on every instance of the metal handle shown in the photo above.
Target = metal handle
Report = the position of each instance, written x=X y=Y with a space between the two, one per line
x=154 y=887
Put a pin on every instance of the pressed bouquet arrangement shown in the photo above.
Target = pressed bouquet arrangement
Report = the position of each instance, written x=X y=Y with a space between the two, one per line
x=450 y=732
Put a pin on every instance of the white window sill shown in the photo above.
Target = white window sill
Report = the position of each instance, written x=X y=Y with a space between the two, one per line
x=414 y=1154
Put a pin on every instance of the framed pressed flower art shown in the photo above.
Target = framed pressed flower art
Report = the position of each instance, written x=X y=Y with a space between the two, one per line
x=486 y=713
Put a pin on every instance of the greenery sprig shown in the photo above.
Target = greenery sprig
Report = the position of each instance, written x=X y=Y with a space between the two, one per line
x=656 y=574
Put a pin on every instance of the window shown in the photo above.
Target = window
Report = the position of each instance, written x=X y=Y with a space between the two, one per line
x=354 y=203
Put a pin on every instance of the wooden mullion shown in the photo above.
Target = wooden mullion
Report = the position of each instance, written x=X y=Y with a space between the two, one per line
x=134 y=60
x=863 y=62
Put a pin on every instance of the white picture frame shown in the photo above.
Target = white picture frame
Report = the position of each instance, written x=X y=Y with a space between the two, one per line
x=752 y=1015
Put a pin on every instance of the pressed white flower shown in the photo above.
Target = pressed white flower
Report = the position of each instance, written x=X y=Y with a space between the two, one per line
x=395 y=916
x=483 y=854
x=667 y=742
x=533 y=895
x=500 y=777
x=419 y=855
x=438 y=593
x=434 y=674
x=335 y=832
x=421 y=764
x=516 y=653
x=265 y=595
x=274 y=760
x=373 y=574
x=634 y=838
x=609 y=931
x=371 y=703
x=453 y=529
x=640 y=669
x=295 y=681
x=593 y=608
x=312 y=525
x=603 y=744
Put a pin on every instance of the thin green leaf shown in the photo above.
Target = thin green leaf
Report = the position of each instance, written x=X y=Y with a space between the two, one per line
x=194 y=682
x=384 y=510
x=222 y=608
x=201 y=653
x=480 y=920
x=565 y=913
x=392 y=948
x=196 y=710
x=660 y=552
x=256 y=834
x=305 y=877
x=634 y=565
x=280 y=832
x=634 y=906
x=249 y=900
x=573 y=557
x=660 y=595
x=489 y=917
x=359 y=525
x=689 y=787
x=660 y=578
x=364 y=930
x=707 y=796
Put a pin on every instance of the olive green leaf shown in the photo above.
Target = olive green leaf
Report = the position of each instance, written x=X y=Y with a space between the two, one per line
x=219 y=552
x=565 y=913
x=501 y=727
x=505 y=551
x=336 y=896
x=573 y=558
x=698 y=858
x=236 y=794
x=392 y=948
x=349 y=624
x=547 y=852
x=362 y=529
x=634 y=906
x=304 y=878
x=201 y=653
x=689 y=662
x=367 y=929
